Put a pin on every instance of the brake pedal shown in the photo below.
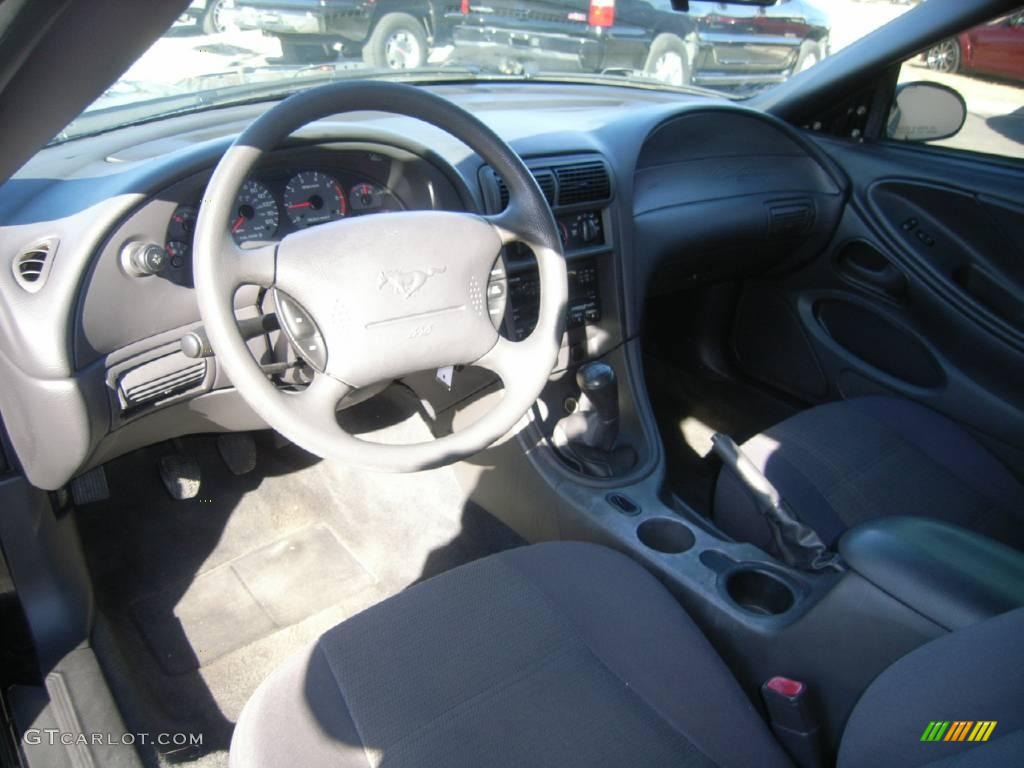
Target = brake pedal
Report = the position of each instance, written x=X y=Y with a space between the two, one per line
x=90 y=487
x=238 y=450
x=180 y=475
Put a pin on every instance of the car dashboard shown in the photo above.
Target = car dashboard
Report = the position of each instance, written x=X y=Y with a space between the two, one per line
x=646 y=187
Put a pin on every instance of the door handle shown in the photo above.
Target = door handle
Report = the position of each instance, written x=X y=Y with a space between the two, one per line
x=862 y=263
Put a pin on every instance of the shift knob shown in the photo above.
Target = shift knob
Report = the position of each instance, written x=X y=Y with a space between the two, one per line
x=599 y=383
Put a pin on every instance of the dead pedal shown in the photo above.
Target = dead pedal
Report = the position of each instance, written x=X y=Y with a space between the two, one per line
x=180 y=475
x=90 y=487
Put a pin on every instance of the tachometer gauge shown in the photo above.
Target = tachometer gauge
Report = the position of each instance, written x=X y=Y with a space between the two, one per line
x=255 y=216
x=312 y=198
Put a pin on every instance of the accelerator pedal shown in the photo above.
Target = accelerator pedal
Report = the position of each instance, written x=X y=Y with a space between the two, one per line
x=180 y=475
x=238 y=450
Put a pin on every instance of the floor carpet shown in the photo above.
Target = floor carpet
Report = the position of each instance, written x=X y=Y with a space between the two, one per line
x=200 y=600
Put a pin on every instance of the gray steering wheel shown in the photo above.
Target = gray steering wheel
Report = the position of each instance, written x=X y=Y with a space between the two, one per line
x=373 y=298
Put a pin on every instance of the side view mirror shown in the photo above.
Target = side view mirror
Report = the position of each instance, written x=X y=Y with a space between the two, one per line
x=925 y=111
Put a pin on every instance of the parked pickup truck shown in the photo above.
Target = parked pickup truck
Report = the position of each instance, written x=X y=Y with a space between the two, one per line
x=392 y=34
x=714 y=44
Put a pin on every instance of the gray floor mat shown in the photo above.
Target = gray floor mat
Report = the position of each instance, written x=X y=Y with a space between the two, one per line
x=199 y=600
x=246 y=599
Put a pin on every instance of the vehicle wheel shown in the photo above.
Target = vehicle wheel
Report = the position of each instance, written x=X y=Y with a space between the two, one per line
x=295 y=52
x=212 y=21
x=810 y=54
x=944 y=57
x=668 y=61
x=397 y=42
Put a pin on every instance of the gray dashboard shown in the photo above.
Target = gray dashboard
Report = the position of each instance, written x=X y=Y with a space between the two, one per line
x=66 y=342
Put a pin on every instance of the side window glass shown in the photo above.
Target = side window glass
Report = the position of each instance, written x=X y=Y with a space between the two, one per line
x=984 y=65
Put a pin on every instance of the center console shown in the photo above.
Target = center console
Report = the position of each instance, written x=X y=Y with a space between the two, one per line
x=587 y=410
x=580 y=191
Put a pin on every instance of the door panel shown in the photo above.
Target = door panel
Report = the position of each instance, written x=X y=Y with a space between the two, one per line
x=920 y=294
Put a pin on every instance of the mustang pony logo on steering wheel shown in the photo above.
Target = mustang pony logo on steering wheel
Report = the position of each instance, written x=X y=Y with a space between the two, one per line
x=406 y=283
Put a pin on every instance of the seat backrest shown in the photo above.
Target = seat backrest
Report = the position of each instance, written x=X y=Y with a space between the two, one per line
x=935 y=706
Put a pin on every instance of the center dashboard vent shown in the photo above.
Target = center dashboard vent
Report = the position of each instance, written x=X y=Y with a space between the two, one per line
x=32 y=266
x=564 y=183
x=583 y=183
x=545 y=180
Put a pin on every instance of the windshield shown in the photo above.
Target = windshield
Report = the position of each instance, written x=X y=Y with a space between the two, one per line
x=223 y=52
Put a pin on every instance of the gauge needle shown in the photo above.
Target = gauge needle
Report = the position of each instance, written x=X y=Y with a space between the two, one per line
x=238 y=224
x=306 y=204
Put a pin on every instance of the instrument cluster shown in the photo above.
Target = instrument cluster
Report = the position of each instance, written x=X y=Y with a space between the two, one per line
x=272 y=205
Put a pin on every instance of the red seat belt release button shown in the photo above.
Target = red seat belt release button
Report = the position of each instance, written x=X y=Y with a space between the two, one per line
x=794 y=720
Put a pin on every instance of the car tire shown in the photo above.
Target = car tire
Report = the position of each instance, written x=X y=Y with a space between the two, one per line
x=810 y=54
x=399 y=41
x=212 y=20
x=294 y=50
x=668 y=60
x=944 y=56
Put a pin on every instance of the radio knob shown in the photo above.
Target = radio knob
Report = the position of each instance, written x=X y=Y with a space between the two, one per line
x=588 y=229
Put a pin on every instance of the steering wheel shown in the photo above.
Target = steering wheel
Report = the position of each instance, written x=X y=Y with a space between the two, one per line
x=372 y=298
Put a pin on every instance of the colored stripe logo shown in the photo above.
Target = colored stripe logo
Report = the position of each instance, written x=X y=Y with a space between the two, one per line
x=959 y=730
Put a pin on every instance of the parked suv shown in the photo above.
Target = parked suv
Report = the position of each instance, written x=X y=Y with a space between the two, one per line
x=714 y=44
x=392 y=34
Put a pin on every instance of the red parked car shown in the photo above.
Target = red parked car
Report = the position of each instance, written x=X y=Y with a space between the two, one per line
x=996 y=48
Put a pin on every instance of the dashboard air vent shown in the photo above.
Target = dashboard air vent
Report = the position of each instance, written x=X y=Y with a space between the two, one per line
x=545 y=180
x=32 y=265
x=583 y=183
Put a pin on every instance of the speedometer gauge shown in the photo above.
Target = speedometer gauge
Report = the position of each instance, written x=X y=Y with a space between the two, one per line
x=314 y=198
x=255 y=216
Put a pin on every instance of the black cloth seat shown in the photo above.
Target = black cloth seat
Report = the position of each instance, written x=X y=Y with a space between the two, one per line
x=560 y=654
x=843 y=463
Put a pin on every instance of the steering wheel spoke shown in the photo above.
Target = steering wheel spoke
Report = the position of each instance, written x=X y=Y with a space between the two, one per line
x=320 y=399
x=504 y=359
x=511 y=225
x=254 y=264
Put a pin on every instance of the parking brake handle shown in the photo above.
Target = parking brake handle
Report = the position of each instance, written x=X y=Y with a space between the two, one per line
x=797 y=543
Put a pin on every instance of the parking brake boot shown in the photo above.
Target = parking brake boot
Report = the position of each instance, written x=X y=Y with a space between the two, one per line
x=798 y=544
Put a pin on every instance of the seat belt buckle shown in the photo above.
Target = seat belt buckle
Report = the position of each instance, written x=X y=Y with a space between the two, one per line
x=793 y=720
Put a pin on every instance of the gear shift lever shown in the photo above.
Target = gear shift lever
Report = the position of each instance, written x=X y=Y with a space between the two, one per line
x=598 y=382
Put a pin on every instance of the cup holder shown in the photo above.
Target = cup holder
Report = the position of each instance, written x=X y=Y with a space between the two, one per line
x=759 y=592
x=663 y=534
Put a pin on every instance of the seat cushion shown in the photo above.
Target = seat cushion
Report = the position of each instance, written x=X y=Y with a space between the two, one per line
x=969 y=676
x=561 y=654
x=840 y=464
